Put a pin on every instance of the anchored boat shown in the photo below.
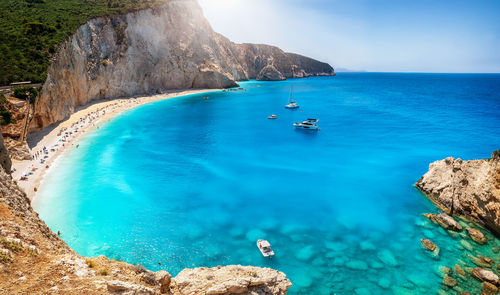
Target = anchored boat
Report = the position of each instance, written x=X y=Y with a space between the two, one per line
x=265 y=248
x=309 y=124
x=292 y=104
x=273 y=116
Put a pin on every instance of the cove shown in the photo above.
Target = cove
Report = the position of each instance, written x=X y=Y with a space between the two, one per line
x=190 y=182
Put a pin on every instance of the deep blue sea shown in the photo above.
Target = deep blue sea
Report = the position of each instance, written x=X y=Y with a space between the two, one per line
x=190 y=182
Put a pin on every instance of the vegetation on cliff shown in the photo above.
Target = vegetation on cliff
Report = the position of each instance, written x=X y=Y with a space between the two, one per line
x=30 y=31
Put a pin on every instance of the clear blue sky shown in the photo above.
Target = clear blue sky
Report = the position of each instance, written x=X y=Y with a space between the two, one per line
x=390 y=35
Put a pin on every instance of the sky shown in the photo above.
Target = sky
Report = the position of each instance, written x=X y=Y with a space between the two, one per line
x=451 y=36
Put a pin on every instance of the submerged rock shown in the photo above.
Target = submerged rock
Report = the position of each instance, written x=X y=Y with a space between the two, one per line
x=485 y=275
x=480 y=261
x=428 y=244
x=445 y=270
x=387 y=257
x=367 y=246
x=357 y=265
x=466 y=245
x=449 y=281
x=489 y=288
x=476 y=235
x=306 y=253
x=384 y=283
x=255 y=234
x=431 y=247
x=362 y=291
x=459 y=271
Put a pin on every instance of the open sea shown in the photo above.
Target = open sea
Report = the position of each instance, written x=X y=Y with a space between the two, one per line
x=190 y=182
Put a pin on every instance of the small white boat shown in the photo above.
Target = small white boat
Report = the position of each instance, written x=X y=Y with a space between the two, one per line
x=309 y=124
x=265 y=248
x=273 y=116
x=292 y=104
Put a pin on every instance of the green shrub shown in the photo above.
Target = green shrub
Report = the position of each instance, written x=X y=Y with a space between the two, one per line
x=5 y=258
x=11 y=246
x=31 y=30
x=5 y=117
x=90 y=263
x=495 y=154
x=3 y=99
x=36 y=28
x=20 y=92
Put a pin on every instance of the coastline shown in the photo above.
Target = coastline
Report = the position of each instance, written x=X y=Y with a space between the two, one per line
x=107 y=109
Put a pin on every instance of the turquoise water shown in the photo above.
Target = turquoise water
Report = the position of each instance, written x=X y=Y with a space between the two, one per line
x=190 y=182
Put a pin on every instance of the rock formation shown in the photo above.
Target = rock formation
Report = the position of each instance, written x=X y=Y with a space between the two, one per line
x=34 y=260
x=170 y=47
x=232 y=279
x=5 y=162
x=468 y=188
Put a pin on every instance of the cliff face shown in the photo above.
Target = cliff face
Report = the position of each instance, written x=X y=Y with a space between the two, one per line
x=256 y=57
x=34 y=260
x=171 y=47
x=5 y=162
x=471 y=188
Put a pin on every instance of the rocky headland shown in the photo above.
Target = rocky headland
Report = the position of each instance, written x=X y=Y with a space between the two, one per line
x=467 y=188
x=149 y=51
x=34 y=260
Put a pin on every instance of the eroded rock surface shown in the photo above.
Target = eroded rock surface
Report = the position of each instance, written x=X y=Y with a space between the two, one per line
x=470 y=188
x=169 y=47
x=234 y=279
x=5 y=162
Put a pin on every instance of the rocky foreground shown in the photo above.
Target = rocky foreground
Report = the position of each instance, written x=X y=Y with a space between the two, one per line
x=467 y=188
x=34 y=260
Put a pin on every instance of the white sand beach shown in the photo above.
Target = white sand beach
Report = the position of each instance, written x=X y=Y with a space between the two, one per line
x=50 y=143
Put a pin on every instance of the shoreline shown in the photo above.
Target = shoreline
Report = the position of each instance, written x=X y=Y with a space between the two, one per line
x=83 y=121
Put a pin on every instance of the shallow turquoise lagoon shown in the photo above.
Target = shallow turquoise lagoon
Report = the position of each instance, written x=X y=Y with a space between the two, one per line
x=190 y=182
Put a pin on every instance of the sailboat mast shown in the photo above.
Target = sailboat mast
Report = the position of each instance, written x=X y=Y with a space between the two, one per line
x=291 y=90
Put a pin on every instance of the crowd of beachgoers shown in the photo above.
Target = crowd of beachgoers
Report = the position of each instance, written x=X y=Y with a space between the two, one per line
x=66 y=136
x=29 y=173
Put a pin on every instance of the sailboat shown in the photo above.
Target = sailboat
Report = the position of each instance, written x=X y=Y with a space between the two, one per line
x=292 y=104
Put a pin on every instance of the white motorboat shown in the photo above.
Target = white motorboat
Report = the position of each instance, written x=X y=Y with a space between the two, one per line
x=309 y=124
x=265 y=248
x=292 y=104
x=273 y=116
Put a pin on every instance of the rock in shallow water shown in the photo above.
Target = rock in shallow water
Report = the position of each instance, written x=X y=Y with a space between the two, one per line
x=467 y=245
x=384 y=283
x=306 y=253
x=476 y=235
x=367 y=246
x=485 y=275
x=428 y=244
x=449 y=281
x=387 y=257
x=489 y=288
x=447 y=222
x=255 y=234
x=357 y=265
